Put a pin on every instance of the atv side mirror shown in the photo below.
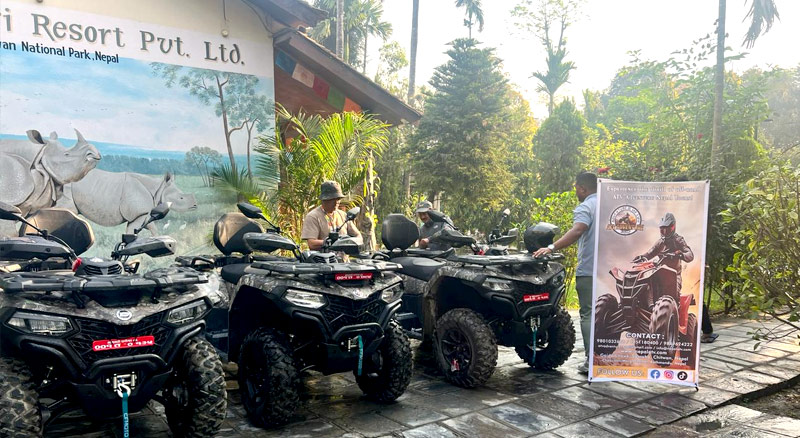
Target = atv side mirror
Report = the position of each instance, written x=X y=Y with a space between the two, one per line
x=352 y=213
x=250 y=211
x=10 y=212
x=159 y=211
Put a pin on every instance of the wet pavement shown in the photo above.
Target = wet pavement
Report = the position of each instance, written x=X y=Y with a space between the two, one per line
x=520 y=402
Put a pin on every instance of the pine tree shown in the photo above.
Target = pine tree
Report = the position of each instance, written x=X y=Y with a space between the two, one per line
x=460 y=145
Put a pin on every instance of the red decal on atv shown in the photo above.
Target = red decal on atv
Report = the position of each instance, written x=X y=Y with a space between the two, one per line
x=118 y=344
x=536 y=297
x=353 y=276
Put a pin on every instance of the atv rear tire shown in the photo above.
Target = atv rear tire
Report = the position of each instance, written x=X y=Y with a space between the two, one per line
x=268 y=378
x=393 y=373
x=199 y=407
x=19 y=403
x=554 y=346
x=664 y=322
x=690 y=338
x=606 y=306
x=465 y=348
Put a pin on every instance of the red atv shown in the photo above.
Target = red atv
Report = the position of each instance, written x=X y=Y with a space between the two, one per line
x=651 y=309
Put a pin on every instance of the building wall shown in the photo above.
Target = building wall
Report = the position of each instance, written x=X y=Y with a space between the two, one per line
x=141 y=81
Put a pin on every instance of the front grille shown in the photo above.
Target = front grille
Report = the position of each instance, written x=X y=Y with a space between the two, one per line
x=93 y=330
x=341 y=311
x=114 y=269
x=324 y=258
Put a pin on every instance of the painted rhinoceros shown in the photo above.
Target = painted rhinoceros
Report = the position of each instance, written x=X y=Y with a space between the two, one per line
x=32 y=181
x=113 y=198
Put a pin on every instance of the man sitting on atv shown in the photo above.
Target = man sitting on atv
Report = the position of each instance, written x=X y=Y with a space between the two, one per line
x=671 y=245
x=429 y=227
x=321 y=220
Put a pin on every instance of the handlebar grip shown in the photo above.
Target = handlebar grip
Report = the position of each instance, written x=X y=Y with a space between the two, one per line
x=193 y=263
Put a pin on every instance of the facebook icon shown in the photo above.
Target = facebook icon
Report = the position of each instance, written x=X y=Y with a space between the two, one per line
x=655 y=374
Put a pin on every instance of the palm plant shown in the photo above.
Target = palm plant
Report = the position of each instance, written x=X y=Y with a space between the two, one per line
x=473 y=9
x=310 y=149
x=557 y=74
x=361 y=18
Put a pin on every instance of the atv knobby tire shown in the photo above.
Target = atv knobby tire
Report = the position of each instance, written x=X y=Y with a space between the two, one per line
x=201 y=409
x=268 y=378
x=394 y=374
x=690 y=338
x=554 y=346
x=19 y=403
x=606 y=306
x=479 y=347
x=664 y=322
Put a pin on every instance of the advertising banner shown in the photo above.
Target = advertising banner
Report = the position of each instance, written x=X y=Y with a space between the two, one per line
x=109 y=108
x=648 y=281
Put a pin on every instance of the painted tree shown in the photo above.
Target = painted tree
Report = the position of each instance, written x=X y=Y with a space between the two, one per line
x=205 y=160
x=545 y=19
x=223 y=90
x=474 y=12
x=460 y=147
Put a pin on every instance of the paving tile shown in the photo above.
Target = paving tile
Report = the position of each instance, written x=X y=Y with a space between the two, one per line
x=308 y=429
x=621 y=424
x=787 y=363
x=477 y=425
x=619 y=391
x=717 y=364
x=545 y=435
x=705 y=423
x=782 y=425
x=589 y=399
x=450 y=405
x=521 y=418
x=429 y=431
x=736 y=353
x=671 y=431
x=557 y=408
x=709 y=395
x=785 y=346
x=368 y=424
x=427 y=386
x=655 y=415
x=584 y=429
x=757 y=377
x=740 y=431
x=518 y=388
x=737 y=413
x=678 y=403
x=413 y=415
x=342 y=408
x=735 y=384
x=783 y=373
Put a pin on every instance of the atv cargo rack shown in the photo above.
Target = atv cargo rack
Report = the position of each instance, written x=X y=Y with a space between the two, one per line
x=500 y=260
x=294 y=268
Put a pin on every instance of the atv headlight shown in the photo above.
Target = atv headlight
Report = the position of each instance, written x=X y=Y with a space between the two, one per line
x=392 y=293
x=499 y=285
x=187 y=313
x=304 y=299
x=39 y=324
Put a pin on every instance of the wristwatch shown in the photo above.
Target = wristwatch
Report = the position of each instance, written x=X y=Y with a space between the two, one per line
x=551 y=247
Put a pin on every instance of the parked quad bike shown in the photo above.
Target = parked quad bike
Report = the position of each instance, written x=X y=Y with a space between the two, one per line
x=84 y=339
x=468 y=304
x=311 y=311
x=651 y=308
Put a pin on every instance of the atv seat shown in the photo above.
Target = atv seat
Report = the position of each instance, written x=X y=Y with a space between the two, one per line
x=232 y=273
x=418 y=267
x=229 y=233
x=63 y=224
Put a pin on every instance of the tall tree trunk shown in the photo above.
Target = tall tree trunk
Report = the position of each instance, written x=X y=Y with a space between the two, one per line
x=412 y=74
x=364 y=65
x=719 y=88
x=551 y=104
x=340 y=29
x=469 y=26
x=250 y=127
x=225 y=125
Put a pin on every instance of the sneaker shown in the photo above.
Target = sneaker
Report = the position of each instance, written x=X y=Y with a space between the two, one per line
x=584 y=367
x=708 y=338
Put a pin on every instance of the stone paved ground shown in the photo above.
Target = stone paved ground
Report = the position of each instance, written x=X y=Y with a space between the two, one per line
x=520 y=402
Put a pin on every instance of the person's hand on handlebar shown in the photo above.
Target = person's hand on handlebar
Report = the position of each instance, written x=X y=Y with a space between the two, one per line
x=541 y=252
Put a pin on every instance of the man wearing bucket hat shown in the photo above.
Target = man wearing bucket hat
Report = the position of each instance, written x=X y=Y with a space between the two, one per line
x=326 y=217
x=429 y=228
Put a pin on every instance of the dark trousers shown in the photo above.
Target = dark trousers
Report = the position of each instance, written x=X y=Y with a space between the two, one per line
x=706 y=324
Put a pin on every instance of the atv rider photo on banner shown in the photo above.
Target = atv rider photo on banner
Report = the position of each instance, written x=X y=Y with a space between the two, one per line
x=648 y=281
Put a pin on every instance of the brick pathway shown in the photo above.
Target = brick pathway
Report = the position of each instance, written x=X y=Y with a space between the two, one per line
x=520 y=402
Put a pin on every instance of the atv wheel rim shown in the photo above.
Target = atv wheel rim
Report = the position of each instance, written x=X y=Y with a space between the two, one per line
x=255 y=374
x=456 y=350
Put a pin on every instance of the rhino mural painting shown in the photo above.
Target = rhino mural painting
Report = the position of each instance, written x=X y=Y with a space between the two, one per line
x=113 y=198
x=33 y=183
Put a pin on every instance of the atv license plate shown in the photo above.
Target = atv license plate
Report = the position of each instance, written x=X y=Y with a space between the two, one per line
x=353 y=276
x=536 y=297
x=118 y=344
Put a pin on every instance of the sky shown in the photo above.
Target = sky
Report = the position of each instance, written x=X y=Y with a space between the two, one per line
x=598 y=42
x=115 y=103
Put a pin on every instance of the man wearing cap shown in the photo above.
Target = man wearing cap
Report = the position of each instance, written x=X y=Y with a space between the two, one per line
x=323 y=219
x=429 y=228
